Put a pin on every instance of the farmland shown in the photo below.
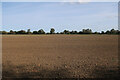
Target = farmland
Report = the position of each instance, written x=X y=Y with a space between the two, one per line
x=60 y=56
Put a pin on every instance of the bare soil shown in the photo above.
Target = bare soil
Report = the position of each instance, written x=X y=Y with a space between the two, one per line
x=60 y=56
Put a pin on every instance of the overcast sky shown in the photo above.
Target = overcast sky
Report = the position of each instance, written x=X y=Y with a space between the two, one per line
x=97 y=16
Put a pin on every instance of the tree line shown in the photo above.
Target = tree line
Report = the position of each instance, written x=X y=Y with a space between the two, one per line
x=52 y=31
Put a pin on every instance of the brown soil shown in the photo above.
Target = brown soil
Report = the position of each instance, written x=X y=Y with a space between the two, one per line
x=60 y=56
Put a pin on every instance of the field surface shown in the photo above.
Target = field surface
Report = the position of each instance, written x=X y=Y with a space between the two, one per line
x=60 y=56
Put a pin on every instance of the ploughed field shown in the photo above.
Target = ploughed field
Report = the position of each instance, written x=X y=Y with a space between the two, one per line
x=60 y=56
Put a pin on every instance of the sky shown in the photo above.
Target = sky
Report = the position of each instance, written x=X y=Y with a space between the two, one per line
x=98 y=16
x=60 y=0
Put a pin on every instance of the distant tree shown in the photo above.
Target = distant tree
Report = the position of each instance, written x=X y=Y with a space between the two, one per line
x=28 y=31
x=4 y=32
x=52 y=31
x=66 y=32
x=11 y=32
x=112 y=31
x=57 y=33
x=80 y=32
x=87 y=31
x=83 y=30
x=107 y=32
x=21 y=32
x=0 y=32
x=41 y=31
x=15 y=32
x=95 y=33
x=35 y=32
x=73 y=32
x=102 y=32
x=61 y=32
x=118 y=32
x=47 y=33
